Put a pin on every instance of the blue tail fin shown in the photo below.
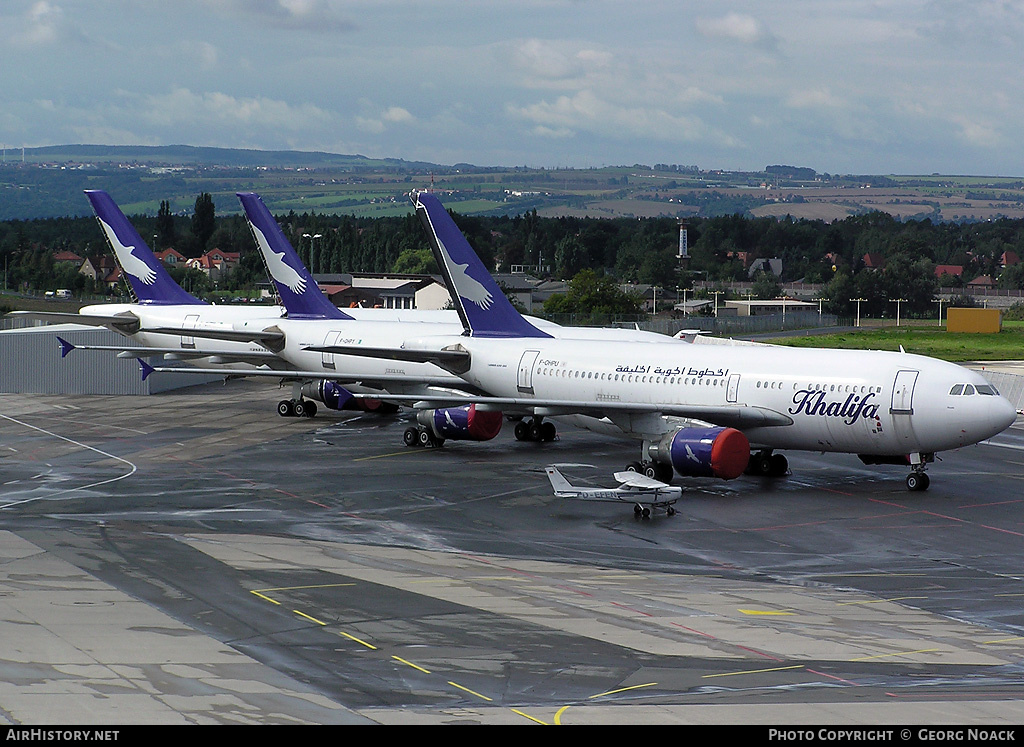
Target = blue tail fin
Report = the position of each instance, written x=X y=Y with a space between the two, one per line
x=482 y=305
x=65 y=346
x=299 y=292
x=149 y=281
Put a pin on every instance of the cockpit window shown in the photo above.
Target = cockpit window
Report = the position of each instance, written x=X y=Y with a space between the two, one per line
x=968 y=389
x=957 y=389
x=986 y=389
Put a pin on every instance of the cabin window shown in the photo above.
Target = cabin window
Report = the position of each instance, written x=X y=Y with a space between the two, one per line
x=968 y=389
x=986 y=389
x=957 y=389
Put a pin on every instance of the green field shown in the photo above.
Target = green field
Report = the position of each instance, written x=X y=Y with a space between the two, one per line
x=958 y=347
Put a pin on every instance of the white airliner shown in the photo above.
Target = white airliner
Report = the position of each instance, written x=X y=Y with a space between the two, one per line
x=701 y=410
x=645 y=493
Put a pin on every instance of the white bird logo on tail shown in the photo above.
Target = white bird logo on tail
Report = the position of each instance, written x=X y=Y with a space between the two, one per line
x=281 y=271
x=130 y=263
x=469 y=288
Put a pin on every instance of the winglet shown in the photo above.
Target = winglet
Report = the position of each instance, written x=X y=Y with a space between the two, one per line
x=301 y=296
x=482 y=305
x=149 y=281
x=146 y=368
x=65 y=346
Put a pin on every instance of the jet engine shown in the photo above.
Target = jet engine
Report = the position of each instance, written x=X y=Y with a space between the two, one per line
x=704 y=452
x=465 y=423
x=337 y=397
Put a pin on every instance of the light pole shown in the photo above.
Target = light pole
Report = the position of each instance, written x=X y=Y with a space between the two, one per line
x=858 y=302
x=716 y=294
x=940 y=300
x=898 y=301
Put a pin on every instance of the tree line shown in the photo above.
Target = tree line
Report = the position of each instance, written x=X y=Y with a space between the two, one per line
x=622 y=249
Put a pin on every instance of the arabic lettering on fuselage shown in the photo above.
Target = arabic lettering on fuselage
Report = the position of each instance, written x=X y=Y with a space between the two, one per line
x=673 y=371
x=812 y=402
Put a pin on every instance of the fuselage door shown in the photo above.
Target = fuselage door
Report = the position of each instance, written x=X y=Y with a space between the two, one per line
x=327 y=359
x=525 y=381
x=903 y=393
x=733 y=390
x=902 y=408
x=189 y=343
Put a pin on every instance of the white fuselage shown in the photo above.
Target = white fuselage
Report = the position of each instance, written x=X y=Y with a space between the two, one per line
x=865 y=402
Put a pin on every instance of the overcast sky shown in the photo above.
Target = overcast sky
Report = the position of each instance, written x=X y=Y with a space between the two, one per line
x=841 y=86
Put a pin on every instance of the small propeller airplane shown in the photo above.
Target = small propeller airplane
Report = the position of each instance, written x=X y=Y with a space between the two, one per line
x=645 y=493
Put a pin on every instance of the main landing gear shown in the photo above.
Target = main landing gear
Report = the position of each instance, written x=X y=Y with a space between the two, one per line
x=414 y=436
x=535 y=430
x=657 y=470
x=766 y=464
x=296 y=408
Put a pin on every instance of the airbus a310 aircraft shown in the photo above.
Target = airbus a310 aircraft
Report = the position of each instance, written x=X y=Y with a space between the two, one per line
x=316 y=339
x=166 y=320
x=701 y=410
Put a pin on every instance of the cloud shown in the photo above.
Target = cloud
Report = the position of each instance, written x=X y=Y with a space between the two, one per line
x=305 y=15
x=736 y=27
x=40 y=25
x=182 y=106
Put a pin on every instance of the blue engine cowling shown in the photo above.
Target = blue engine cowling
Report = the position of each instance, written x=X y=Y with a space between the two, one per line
x=465 y=423
x=704 y=452
x=337 y=397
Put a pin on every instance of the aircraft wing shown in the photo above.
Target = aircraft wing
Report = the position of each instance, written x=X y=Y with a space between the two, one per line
x=456 y=361
x=126 y=322
x=254 y=357
x=730 y=416
x=370 y=380
x=638 y=480
x=271 y=337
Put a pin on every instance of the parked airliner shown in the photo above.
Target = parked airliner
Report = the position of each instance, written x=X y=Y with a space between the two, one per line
x=701 y=410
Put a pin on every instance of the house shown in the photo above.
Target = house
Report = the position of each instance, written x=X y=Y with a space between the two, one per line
x=873 y=261
x=955 y=271
x=98 y=268
x=384 y=290
x=982 y=282
x=171 y=257
x=214 y=263
x=772 y=266
x=66 y=256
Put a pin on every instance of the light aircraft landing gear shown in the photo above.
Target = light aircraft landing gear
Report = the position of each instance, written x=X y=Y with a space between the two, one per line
x=766 y=464
x=296 y=408
x=535 y=430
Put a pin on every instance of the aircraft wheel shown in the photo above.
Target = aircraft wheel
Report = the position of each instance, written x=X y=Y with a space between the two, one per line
x=780 y=465
x=548 y=431
x=918 y=481
x=310 y=408
x=651 y=470
x=663 y=472
x=411 y=436
x=638 y=510
x=285 y=408
x=535 y=431
x=522 y=431
x=671 y=510
x=299 y=408
x=647 y=512
x=635 y=467
x=763 y=465
x=426 y=438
